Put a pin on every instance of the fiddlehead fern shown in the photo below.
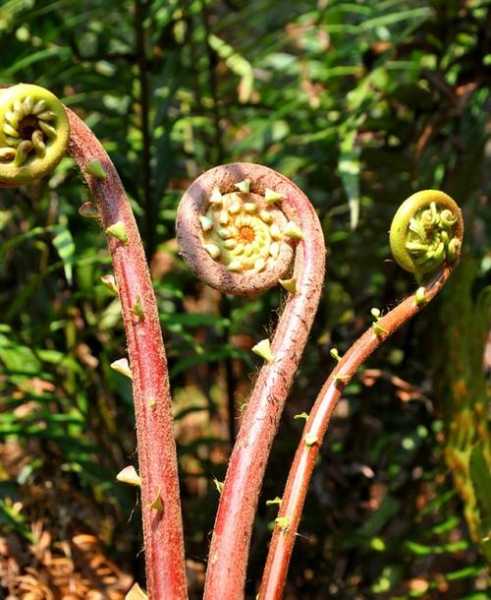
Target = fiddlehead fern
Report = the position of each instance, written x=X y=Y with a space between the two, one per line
x=433 y=220
x=426 y=232
x=34 y=133
x=235 y=238
x=277 y=219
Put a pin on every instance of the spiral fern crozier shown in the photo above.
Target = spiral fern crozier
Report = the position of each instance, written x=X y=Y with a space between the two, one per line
x=426 y=239
x=234 y=232
x=34 y=133
x=426 y=232
x=242 y=228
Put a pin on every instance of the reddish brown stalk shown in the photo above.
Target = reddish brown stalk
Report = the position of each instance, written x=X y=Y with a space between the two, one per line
x=297 y=485
x=161 y=507
x=238 y=503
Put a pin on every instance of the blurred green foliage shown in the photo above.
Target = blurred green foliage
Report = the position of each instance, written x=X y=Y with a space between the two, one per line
x=361 y=102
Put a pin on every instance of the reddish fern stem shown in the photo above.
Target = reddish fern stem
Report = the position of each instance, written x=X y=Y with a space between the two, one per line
x=297 y=485
x=238 y=503
x=161 y=507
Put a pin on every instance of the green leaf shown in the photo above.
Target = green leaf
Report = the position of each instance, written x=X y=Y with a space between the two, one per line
x=349 y=171
x=237 y=64
x=36 y=57
x=65 y=246
x=18 y=358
